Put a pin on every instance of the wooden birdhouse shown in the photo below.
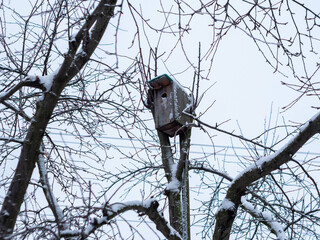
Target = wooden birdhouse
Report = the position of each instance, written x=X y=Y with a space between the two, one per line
x=170 y=100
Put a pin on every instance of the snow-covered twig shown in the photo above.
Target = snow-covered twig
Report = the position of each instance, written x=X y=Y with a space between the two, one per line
x=227 y=204
x=110 y=211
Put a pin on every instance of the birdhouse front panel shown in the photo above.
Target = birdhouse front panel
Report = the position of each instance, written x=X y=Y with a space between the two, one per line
x=170 y=100
x=163 y=106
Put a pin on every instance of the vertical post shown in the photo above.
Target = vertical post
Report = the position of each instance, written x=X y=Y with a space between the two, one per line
x=185 y=205
x=174 y=198
x=167 y=101
x=185 y=199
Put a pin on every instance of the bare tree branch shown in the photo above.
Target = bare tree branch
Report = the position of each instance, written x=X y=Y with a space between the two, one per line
x=44 y=180
x=30 y=149
x=26 y=83
x=264 y=218
x=264 y=166
x=149 y=208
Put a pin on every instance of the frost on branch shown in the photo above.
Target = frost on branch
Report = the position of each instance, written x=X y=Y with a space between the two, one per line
x=43 y=83
x=267 y=164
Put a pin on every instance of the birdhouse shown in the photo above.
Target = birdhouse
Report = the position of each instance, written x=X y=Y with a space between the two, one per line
x=170 y=100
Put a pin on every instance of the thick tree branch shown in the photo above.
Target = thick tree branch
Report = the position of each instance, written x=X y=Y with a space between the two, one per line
x=184 y=152
x=265 y=218
x=182 y=174
x=27 y=83
x=76 y=58
x=166 y=154
x=173 y=189
x=30 y=150
x=148 y=208
x=173 y=194
x=110 y=211
x=264 y=166
x=17 y=111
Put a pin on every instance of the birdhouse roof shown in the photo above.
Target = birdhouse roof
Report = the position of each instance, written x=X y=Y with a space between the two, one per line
x=161 y=81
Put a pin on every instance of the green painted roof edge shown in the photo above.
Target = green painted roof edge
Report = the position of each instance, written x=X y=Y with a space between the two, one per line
x=160 y=76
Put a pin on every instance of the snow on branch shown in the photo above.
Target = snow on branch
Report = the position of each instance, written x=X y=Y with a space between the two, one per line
x=28 y=82
x=265 y=218
x=226 y=204
x=148 y=207
x=259 y=169
x=110 y=211
x=174 y=184
x=43 y=83
x=89 y=35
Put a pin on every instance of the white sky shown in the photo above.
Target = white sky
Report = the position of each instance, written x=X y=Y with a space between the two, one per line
x=245 y=87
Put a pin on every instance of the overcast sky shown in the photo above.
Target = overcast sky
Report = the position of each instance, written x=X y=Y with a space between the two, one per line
x=246 y=90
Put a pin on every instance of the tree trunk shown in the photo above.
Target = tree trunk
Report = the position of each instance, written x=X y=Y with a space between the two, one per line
x=28 y=157
x=72 y=64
